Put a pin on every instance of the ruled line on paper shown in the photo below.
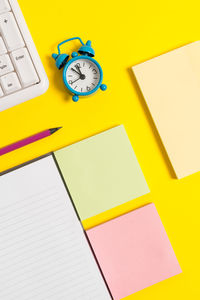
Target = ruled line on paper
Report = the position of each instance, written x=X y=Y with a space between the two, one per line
x=43 y=250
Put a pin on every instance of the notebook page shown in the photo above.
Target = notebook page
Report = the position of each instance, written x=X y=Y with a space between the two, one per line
x=43 y=250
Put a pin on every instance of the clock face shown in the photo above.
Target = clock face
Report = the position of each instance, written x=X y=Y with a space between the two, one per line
x=83 y=76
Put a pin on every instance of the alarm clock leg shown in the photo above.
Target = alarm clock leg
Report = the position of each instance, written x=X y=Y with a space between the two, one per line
x=103 y=87
x=75 y=98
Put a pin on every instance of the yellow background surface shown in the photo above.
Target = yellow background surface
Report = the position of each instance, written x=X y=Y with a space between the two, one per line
x=123 y=34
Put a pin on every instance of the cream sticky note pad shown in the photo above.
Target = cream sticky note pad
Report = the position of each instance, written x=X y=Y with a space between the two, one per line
x=170 y=85
x=101 y=172
x=133 y=251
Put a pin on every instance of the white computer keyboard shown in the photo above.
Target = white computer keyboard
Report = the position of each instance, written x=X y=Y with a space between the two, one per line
x=22 y=75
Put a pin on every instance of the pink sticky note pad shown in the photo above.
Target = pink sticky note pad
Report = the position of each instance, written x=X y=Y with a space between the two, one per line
x=134 y=251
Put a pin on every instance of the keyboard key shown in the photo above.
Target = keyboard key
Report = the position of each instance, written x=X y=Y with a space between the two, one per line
x=24 y=67
x=4 y=6
x=3 y=49
x=5 y=65
x=10 y=32
x=1 y=92
x=10 y=83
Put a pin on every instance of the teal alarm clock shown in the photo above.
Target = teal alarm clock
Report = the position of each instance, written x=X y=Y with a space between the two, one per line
x=82 y=74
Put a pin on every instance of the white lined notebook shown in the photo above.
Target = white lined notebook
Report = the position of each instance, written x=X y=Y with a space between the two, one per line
x=44 y=253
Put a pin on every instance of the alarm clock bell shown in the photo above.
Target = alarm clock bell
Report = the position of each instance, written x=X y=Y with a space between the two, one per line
x=87 y=49
x=61 y=60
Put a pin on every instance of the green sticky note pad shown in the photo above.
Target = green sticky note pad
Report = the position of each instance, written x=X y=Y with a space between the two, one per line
x=101 y=172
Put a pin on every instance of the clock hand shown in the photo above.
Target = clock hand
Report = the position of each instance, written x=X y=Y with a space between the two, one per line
x=79 y=73
x=76 y=80
x=82 y=76
x=78 y=68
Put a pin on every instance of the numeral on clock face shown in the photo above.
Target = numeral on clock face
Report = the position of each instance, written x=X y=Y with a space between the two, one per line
x=77 y=65
x=83 y=75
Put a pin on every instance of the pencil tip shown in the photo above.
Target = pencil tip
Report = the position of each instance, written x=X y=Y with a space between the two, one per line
x=53 y=130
